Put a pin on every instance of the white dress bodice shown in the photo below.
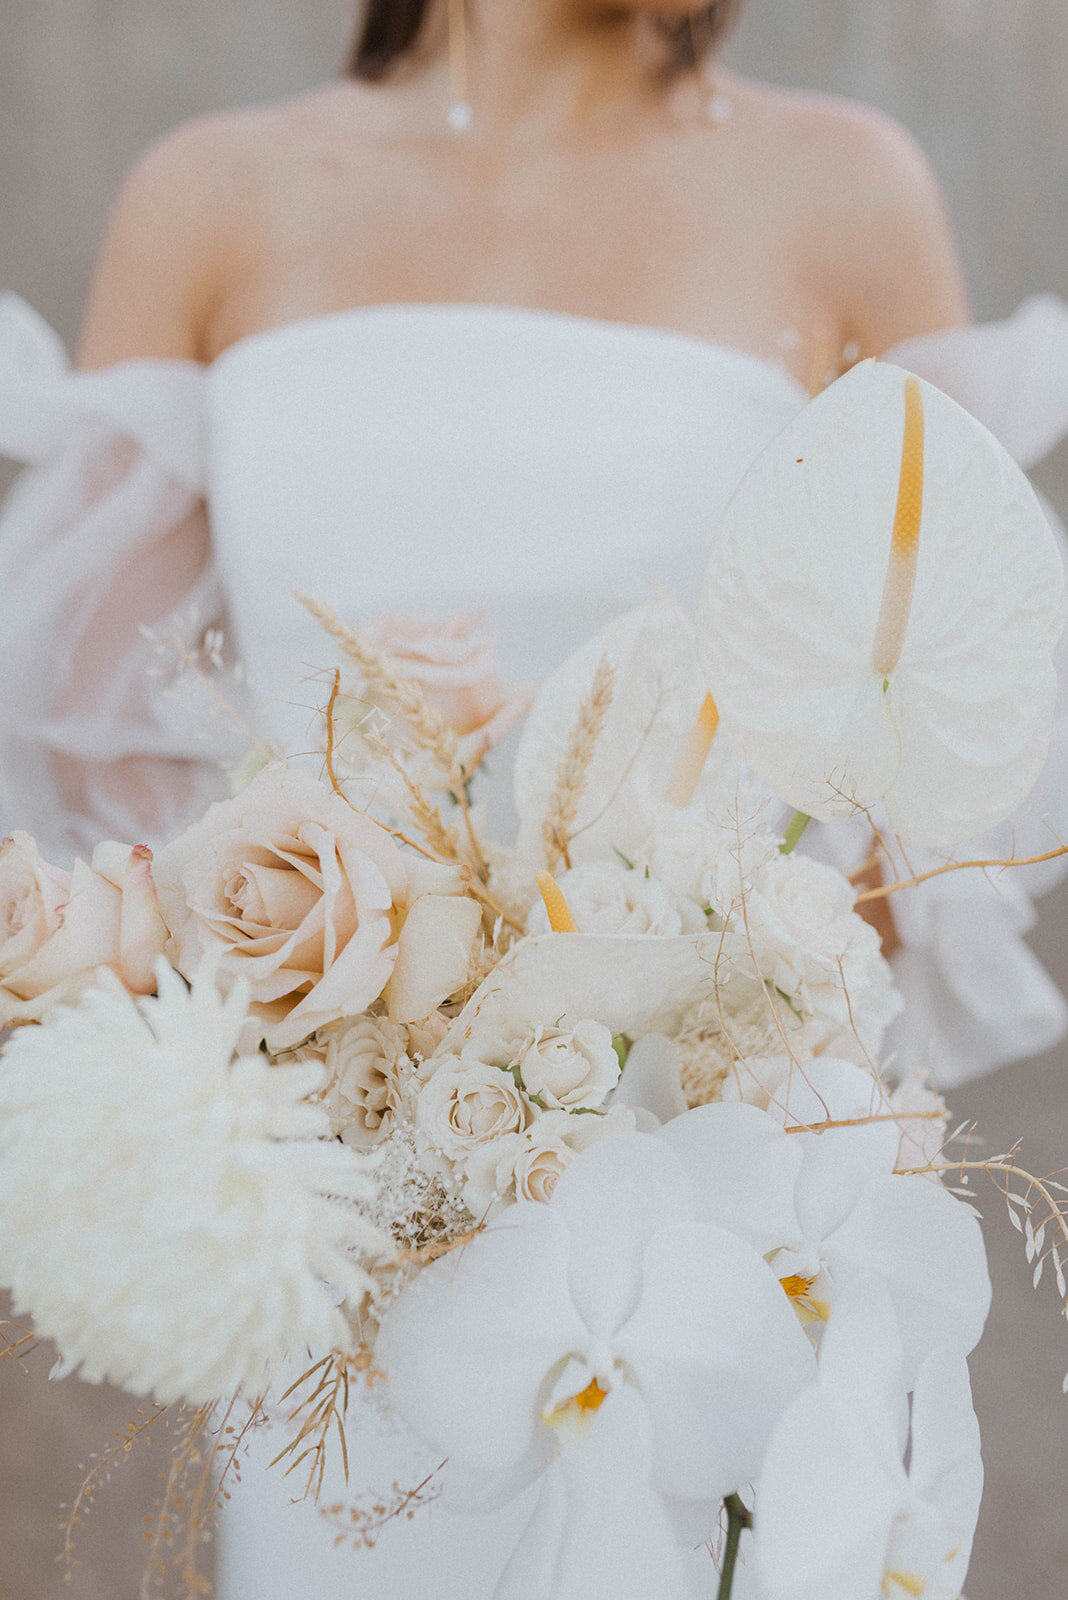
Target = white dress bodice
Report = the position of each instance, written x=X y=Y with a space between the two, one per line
x=549 y=470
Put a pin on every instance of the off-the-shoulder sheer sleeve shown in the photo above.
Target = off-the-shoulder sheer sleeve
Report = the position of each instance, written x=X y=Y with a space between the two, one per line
x=976 y=995
x=103 y=537
x=1012 y=375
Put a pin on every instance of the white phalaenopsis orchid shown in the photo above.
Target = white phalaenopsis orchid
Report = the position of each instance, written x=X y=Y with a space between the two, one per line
x=827 y=1208
x=880 y=610
x=838 y=1517
x=609 y=1326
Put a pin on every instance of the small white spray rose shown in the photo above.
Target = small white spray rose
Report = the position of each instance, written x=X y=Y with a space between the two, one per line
x=569 y=1068
x=700 y=858
x=520 y=1166
x=809 y=941
x=606 y=898
x=465 y=1103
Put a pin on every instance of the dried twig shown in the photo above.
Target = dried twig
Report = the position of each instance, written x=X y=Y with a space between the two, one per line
x=960 y=866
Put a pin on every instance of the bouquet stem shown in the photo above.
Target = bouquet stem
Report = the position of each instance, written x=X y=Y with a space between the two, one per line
x=738 y=1518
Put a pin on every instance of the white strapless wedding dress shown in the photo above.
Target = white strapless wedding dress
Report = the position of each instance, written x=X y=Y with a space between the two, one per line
x=547 y=469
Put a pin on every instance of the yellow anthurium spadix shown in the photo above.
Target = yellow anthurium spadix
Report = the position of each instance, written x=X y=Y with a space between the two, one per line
x=687 y=773
x=880 y=610
x=560 y=918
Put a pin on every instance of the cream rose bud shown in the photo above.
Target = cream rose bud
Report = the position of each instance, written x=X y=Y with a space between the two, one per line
x=604 y=897
x=367 y=1065
x=57 y=928
x=519 y=1166
x=700 y=858
x=302 y=897
x=465 y=1103
x=570 y=1068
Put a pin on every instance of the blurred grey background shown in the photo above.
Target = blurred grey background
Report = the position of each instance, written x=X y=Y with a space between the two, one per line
x=84 y=86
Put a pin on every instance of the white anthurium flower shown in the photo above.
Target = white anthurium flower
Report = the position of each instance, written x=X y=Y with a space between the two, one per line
x=880 y=611
x=630 y=984
x=838 y=1516
x=657 y=699
x=827 y=1207
x=607 y=1324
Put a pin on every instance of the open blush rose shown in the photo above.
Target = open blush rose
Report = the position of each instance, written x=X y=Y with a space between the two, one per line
x=57 y=928
x=451 y=658
x=315 y=907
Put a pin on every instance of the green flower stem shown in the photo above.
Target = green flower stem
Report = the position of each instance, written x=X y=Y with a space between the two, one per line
x=794 y=829
x=738 y=1518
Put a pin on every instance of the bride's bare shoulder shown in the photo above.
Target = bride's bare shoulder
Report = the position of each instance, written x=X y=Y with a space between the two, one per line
x=187 y=219
x=870 y=213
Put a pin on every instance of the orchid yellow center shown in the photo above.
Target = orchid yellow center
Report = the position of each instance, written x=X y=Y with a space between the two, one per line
x=905 y=541
x=560 y=918
x=798 y=1288
x=684 y=778
x=588 y=1400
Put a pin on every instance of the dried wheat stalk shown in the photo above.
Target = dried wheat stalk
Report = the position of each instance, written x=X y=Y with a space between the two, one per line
x=573 y=772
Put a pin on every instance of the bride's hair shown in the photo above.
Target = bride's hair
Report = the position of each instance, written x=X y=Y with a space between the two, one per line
x=390 y=28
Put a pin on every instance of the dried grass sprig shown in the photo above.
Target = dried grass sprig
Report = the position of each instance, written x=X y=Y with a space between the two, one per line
x=573 y=771
x=320 y=1413
x=207 y=1455
x=1034 y=1211
x=360 y=1525
x=429 y=729
x=72 y=1517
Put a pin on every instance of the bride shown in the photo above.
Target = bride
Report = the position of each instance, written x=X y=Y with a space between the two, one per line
x=498 y=321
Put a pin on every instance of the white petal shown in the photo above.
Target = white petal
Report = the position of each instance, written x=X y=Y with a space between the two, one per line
x=946 y=1467
x=791 y=600
x=718 y=1353
x=612 y=1199
x=600 y=1532
x=743 y=1169
x=825 y=1506
x=927 y=1248
x=650 y=1080
x=433 y=954
x=470 y=1343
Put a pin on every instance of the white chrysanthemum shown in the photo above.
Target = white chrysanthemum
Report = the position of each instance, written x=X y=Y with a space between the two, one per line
x=170 y=1216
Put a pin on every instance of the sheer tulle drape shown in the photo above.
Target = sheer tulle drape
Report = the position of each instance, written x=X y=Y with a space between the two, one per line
x=104 y=536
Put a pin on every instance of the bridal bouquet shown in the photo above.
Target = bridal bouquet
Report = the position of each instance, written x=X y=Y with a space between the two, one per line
x=582 y=1156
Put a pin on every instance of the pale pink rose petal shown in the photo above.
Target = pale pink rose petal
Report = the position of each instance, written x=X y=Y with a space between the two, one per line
x=87 y=938
x=142 y=931
x=433 y=955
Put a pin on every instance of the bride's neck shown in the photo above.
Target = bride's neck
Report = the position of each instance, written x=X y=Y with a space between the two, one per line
x=563 y=63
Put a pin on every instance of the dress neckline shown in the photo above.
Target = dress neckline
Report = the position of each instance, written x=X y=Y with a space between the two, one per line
x=532 y=317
